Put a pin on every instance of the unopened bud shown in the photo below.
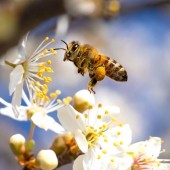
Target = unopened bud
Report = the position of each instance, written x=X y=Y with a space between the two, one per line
x=17 y=144
x=47 y=159
x=30 y=145
x=82 y=100
x=59 y=145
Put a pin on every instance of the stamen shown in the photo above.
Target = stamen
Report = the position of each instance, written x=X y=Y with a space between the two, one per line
x=99 y=116
x=104 y=151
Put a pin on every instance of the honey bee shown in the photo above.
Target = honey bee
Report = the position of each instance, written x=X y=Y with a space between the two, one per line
x=87 y=59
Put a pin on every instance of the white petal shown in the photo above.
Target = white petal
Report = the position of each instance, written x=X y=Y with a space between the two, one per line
x=67 y=117
x=38 y=120
x=46 y=122
x=53 y=125
x=12 y=57
x=112 y=111
x=78 y=163
x=91 y=162
x=16 y=77
x=22 y=48
x=81 y=141
x=16 y=98
x=153 y=148
x=8 y=111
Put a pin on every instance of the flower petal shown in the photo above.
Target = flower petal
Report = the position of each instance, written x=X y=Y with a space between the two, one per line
x=16 y=99
x=39 y=120
x=46 y=122
x=153 y=148
x=22 y=48
x=81 y=141
x=15 y=78
x=8 y=111
x=78 y=163
x=67 y=117
x=53 y=125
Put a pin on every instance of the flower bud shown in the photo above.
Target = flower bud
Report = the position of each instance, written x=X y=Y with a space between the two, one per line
x=47 y=159
x=82 y=100
x=30 y=145
x=59 y=145
x=17 y=144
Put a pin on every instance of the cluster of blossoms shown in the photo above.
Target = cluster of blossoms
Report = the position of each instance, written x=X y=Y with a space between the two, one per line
x=97 y=139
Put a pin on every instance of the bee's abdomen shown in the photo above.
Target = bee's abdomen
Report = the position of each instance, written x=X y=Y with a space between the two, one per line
x=114 y=70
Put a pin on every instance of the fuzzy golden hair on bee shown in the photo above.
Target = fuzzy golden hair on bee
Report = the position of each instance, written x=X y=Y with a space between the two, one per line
x=87 y=59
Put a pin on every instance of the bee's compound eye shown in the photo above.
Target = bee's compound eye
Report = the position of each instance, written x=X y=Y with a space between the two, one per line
x=74 y=48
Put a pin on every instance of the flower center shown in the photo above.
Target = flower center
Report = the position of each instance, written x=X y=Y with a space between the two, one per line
x=142 y=163
x=92 y=138
x=34 y=110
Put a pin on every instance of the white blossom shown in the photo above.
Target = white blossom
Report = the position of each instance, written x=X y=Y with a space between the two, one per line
x=96 y=133
x=145 y=155
x=28 y=69
x=38 y=105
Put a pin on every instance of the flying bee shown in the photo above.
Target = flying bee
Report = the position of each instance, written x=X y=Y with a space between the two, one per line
x=87 y=59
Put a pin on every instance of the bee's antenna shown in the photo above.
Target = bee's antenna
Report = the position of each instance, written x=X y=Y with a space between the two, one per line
x=60 y=49
x=65 y=43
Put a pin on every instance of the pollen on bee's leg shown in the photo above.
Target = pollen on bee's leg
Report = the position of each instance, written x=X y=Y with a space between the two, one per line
x=100 y=73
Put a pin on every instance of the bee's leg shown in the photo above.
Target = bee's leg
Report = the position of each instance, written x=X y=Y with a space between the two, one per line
x=92 y=83
x=81 y=71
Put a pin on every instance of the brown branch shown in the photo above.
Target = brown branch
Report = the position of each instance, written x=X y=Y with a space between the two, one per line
x=28 y=17
x=20 y=18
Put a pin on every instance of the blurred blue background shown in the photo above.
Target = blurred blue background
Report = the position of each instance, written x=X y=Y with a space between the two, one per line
x=140 y=41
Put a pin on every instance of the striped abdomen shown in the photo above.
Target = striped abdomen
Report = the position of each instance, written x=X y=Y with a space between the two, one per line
x=114 y=70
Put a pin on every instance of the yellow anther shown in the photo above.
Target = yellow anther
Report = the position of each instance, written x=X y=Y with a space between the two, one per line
x=104 y=126
x=99 y=157
x=69 y=99
x=48 y=62
x=112 y=160
x=86 y=115
x=99 y=116
x=45 y=51
x=54 y=52
x=45 y=91
x=118 y=133
x=90 y=107
x=58 y=92
x=59 y=101
x=115 y=144
x=53 y=95
x=53 y=40
x=46 y=38
x=37 y=83
x=104 y=151
x=120 y=124
x=114 y=119
x=121 y=142
x=46 y=98
x=34 y=101
x=99 y=105
x=47 y=79
x=106 y=112
x=51 y=50
x=159 y=164
x=42 y=64
x=49 y=70
x=105 y=140
x=77 y=116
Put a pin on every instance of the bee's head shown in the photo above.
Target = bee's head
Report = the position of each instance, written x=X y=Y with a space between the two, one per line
x=71 y=50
